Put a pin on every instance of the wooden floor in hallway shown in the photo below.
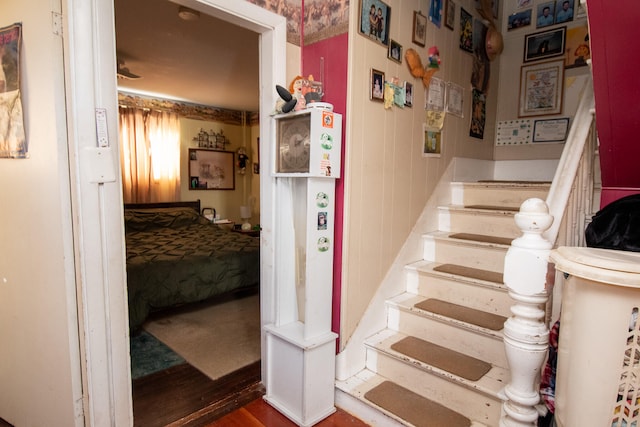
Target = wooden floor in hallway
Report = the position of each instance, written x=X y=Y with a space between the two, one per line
x=259 y=413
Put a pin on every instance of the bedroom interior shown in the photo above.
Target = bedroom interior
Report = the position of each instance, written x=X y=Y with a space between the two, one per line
x=205 y=340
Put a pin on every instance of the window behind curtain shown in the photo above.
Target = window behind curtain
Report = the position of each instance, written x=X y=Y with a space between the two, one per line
x=149 y=155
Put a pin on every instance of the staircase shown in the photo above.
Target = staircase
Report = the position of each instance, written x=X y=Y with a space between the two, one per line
x=440 y=361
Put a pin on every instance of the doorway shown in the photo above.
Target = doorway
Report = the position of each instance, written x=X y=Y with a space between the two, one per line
x=271 y=33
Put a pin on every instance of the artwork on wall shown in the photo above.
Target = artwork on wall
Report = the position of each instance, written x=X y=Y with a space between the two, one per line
x=577 y=49
x=408 y=94
x=419 y=35
x=435 y=12
x=455 y=98
x=564 y=11
x=449 y=14
x=13 y=143
x=519 y=20
x=541 y=89
x=432 y=144
x=545 y=14
x=395 y=51
x=375 y=18
x=376 y=85
x=466 y=31
x=545 y=44
x=478 y=114
x=211 y=170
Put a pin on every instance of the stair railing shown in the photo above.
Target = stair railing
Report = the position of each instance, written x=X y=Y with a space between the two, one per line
x=528 y=274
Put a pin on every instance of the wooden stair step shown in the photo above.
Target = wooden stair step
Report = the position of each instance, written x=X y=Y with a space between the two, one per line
x=465 y=314
x=482 y=238
x=494 y=208
x=470 y=272
x=443 y=358
x=411 y=407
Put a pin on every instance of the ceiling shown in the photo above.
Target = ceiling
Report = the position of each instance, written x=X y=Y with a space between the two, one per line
x=204 y=61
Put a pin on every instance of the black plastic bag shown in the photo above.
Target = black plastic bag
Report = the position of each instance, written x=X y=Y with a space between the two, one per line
x=616 y=226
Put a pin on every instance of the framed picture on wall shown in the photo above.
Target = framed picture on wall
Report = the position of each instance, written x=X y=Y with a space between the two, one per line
x=375 y=18
x=376 y=86
x=449 y=14
x=545 y=44
x=541 y=89
x=395 y=51
x=211 y=170
x=419 y=35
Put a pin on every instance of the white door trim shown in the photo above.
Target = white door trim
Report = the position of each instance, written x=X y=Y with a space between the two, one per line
x=90 y=64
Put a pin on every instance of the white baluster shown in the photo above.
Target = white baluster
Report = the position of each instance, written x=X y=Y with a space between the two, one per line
x=526 y=336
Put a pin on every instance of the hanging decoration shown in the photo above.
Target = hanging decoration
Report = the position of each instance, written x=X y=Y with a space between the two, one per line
x=13 y=143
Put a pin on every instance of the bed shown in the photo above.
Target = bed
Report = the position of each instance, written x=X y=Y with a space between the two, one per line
x=176 y=256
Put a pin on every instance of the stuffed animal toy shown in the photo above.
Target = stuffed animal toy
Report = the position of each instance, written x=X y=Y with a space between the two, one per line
x=300 y=93
x=417 y=69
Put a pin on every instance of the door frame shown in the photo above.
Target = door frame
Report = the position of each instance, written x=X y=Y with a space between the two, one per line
x=90 y=64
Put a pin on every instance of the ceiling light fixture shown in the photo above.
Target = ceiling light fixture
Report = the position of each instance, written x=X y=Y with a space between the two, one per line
x=188 y=14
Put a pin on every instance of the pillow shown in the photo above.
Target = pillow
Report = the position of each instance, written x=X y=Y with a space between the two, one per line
x=148 y=219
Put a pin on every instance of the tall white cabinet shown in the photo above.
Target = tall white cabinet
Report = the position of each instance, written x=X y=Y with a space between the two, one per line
x=300 y=344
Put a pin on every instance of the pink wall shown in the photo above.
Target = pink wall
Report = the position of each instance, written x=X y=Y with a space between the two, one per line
x=614 y=30
x=334 y=52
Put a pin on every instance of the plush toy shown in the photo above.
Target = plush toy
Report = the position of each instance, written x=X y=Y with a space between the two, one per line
x=242 y=160
x=300 y=93
x=418 y=70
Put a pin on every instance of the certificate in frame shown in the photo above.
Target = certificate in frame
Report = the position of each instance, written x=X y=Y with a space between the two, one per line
x=541 y=89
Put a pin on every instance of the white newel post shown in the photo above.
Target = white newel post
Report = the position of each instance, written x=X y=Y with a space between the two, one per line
x=526 y=335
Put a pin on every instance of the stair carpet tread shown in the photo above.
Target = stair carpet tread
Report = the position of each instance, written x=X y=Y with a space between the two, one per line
x=484 y=209
x=460 y=273
x=412 y=303
x=491 y=382
x=471 y=239
x=365 y=381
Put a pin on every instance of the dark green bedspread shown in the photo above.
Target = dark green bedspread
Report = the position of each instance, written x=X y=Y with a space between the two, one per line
x=175 y=256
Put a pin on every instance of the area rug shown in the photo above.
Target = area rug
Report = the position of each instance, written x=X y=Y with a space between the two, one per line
x=215 y=339
x=483 y=319
x=149 y=355
x=443 y=358
x=412 y=407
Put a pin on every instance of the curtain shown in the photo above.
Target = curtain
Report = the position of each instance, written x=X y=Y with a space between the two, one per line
x=149 y=155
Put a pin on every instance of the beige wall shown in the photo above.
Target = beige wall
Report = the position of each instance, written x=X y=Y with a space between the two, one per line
x=387 y=180
x=226 y=202
x=510 y=67
x=39 y=361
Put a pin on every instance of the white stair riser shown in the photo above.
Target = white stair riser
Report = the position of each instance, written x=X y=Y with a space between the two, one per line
x=491 y=299
x=489 y=224
x=487 y=348
x=476 y=406
x=485 y=257
x=495 y=194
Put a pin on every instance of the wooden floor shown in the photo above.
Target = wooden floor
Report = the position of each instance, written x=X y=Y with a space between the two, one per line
x=260 y=414
x=183 y=396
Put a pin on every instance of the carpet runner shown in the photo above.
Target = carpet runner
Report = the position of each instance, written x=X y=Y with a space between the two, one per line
x=412 y=407
x=473 y=273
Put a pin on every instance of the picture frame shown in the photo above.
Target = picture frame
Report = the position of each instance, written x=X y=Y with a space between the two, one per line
x=564 y=11
x=376 y=85
x=395 y=51
x=545 y=14
x=375 y=18
x=419 y=34
x=408 y=94
x=550 y=130
x=211 y=169
x=466 y=31
x=519 y=20
x=544 y=44
x=435 y=12
x=432 y=143
x=576 y=47
x=449 y=14
x=541 y=89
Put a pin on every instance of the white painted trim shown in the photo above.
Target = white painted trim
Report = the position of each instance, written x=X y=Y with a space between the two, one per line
x=99 y=231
